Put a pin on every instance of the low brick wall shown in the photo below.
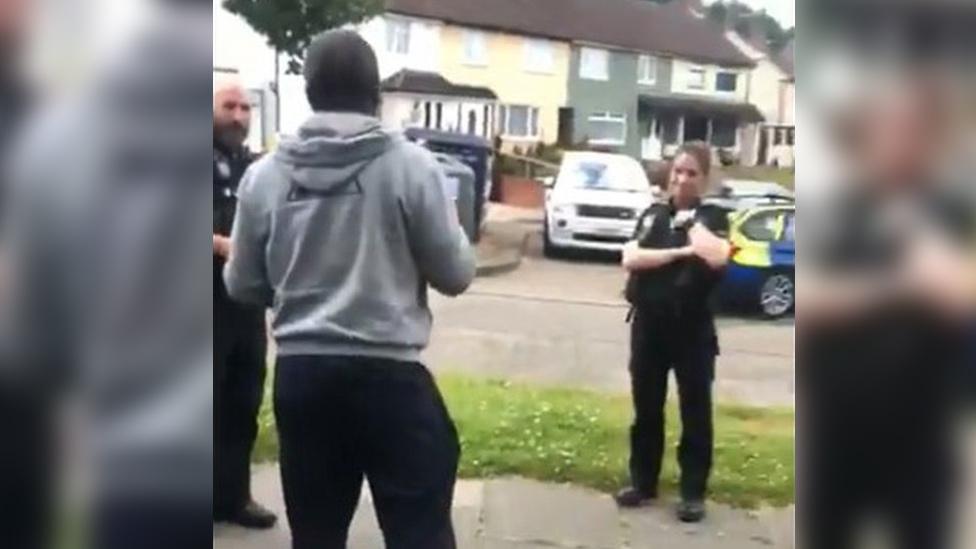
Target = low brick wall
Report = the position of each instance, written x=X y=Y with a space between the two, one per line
x=522 y=192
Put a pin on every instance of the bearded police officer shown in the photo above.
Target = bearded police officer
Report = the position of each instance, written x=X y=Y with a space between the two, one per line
x=240 y=344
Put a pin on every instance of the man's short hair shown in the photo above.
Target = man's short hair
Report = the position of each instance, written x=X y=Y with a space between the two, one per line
x=341 y=73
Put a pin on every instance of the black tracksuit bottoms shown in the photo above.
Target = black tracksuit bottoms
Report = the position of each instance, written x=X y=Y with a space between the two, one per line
x=345 y=419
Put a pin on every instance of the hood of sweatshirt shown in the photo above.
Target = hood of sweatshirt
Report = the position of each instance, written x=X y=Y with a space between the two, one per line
x=331 y=148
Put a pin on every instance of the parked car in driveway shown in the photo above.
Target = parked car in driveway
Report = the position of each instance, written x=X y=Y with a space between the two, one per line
x=761 y=273
x=595 y=202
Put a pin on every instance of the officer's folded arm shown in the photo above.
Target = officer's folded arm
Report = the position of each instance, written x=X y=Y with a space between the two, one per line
x=711 y=249
x=636 y=258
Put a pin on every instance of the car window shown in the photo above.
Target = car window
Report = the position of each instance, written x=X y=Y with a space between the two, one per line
x=596 y=174
x=762 y=226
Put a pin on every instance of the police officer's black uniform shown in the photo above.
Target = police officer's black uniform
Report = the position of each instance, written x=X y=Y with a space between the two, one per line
x=673 y=327
x=240 y=348
x=25 y=417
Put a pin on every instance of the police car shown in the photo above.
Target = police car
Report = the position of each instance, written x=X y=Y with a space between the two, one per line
x=762 y=273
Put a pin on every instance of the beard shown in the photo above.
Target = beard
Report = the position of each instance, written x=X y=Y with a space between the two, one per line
x=232 y=135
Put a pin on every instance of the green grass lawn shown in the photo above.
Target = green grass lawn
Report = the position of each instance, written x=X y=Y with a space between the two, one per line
x=783 y=176
x=581 y=437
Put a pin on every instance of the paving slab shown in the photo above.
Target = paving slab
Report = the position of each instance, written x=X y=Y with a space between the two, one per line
x=523 y=514
x=561 y=516
x=656 y=527
x=364 y=532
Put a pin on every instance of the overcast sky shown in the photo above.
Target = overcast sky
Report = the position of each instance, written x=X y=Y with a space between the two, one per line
x=783 y=10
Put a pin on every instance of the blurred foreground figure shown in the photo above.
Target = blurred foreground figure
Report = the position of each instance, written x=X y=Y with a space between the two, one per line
x=342 y=229
x=887 y=294
x=105 y=301
x=240 y=341
x=25 y=414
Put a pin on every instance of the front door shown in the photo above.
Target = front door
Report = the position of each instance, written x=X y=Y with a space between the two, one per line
x=763 y=145
x=696 y=128
x=566 y=116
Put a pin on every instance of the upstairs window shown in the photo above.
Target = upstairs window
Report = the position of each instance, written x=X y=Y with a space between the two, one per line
x=398 y=36
x=538 y=56
x=647 y=70
x=594 y=64
x=475 y=48
x=727 y=82
x=696 y=78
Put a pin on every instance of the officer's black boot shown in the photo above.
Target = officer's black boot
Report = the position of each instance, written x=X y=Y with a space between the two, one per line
x=691 y=510
x=632 y=498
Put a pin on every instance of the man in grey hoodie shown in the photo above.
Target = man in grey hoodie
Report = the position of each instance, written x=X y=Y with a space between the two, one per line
x=340 y=232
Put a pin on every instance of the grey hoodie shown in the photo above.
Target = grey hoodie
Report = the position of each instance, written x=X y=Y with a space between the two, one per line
x=340 y=231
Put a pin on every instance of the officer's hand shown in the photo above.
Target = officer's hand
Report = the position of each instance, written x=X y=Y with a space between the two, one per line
x=221 y=246
x=629 y=253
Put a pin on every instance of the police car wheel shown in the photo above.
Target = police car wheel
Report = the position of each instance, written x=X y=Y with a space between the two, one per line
x=778 y=295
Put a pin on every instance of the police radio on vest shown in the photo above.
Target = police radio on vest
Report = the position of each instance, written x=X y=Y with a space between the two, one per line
x=683 y=220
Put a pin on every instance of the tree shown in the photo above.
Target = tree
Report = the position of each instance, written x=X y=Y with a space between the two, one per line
x=746 y=21
x=289 y=25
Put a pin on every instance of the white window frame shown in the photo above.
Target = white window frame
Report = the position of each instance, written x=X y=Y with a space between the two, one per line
x=478 y=41
x=397 y=31
x=588 y=56
x=538 y=56
x=609 y=117
x=647 y=64
x=694 y=70
x=733 y=73
x=504 y=121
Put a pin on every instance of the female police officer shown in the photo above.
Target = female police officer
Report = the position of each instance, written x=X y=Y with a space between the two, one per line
x=674 y=263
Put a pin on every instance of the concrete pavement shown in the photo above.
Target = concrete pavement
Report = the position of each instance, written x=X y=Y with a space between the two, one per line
x=504 y=238
x=519 y=514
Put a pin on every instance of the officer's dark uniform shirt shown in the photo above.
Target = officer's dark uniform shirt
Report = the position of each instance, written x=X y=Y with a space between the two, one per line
x=678 y=295
x=228 y=169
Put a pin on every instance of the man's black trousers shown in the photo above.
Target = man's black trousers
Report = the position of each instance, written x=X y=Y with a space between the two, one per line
x=240 y=349
x=343 y=419
x=659 y=345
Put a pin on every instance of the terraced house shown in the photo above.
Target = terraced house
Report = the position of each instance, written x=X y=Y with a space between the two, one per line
x=645 y=78
x=485 y=68
x=627 y=76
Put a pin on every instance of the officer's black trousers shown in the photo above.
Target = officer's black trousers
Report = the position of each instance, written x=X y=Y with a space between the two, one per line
x=26 y=467
x=657 y=347
x=240 y=349
x=343 y=419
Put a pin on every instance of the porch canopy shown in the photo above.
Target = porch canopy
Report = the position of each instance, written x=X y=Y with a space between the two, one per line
x=701 y=106
x=432 y=83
